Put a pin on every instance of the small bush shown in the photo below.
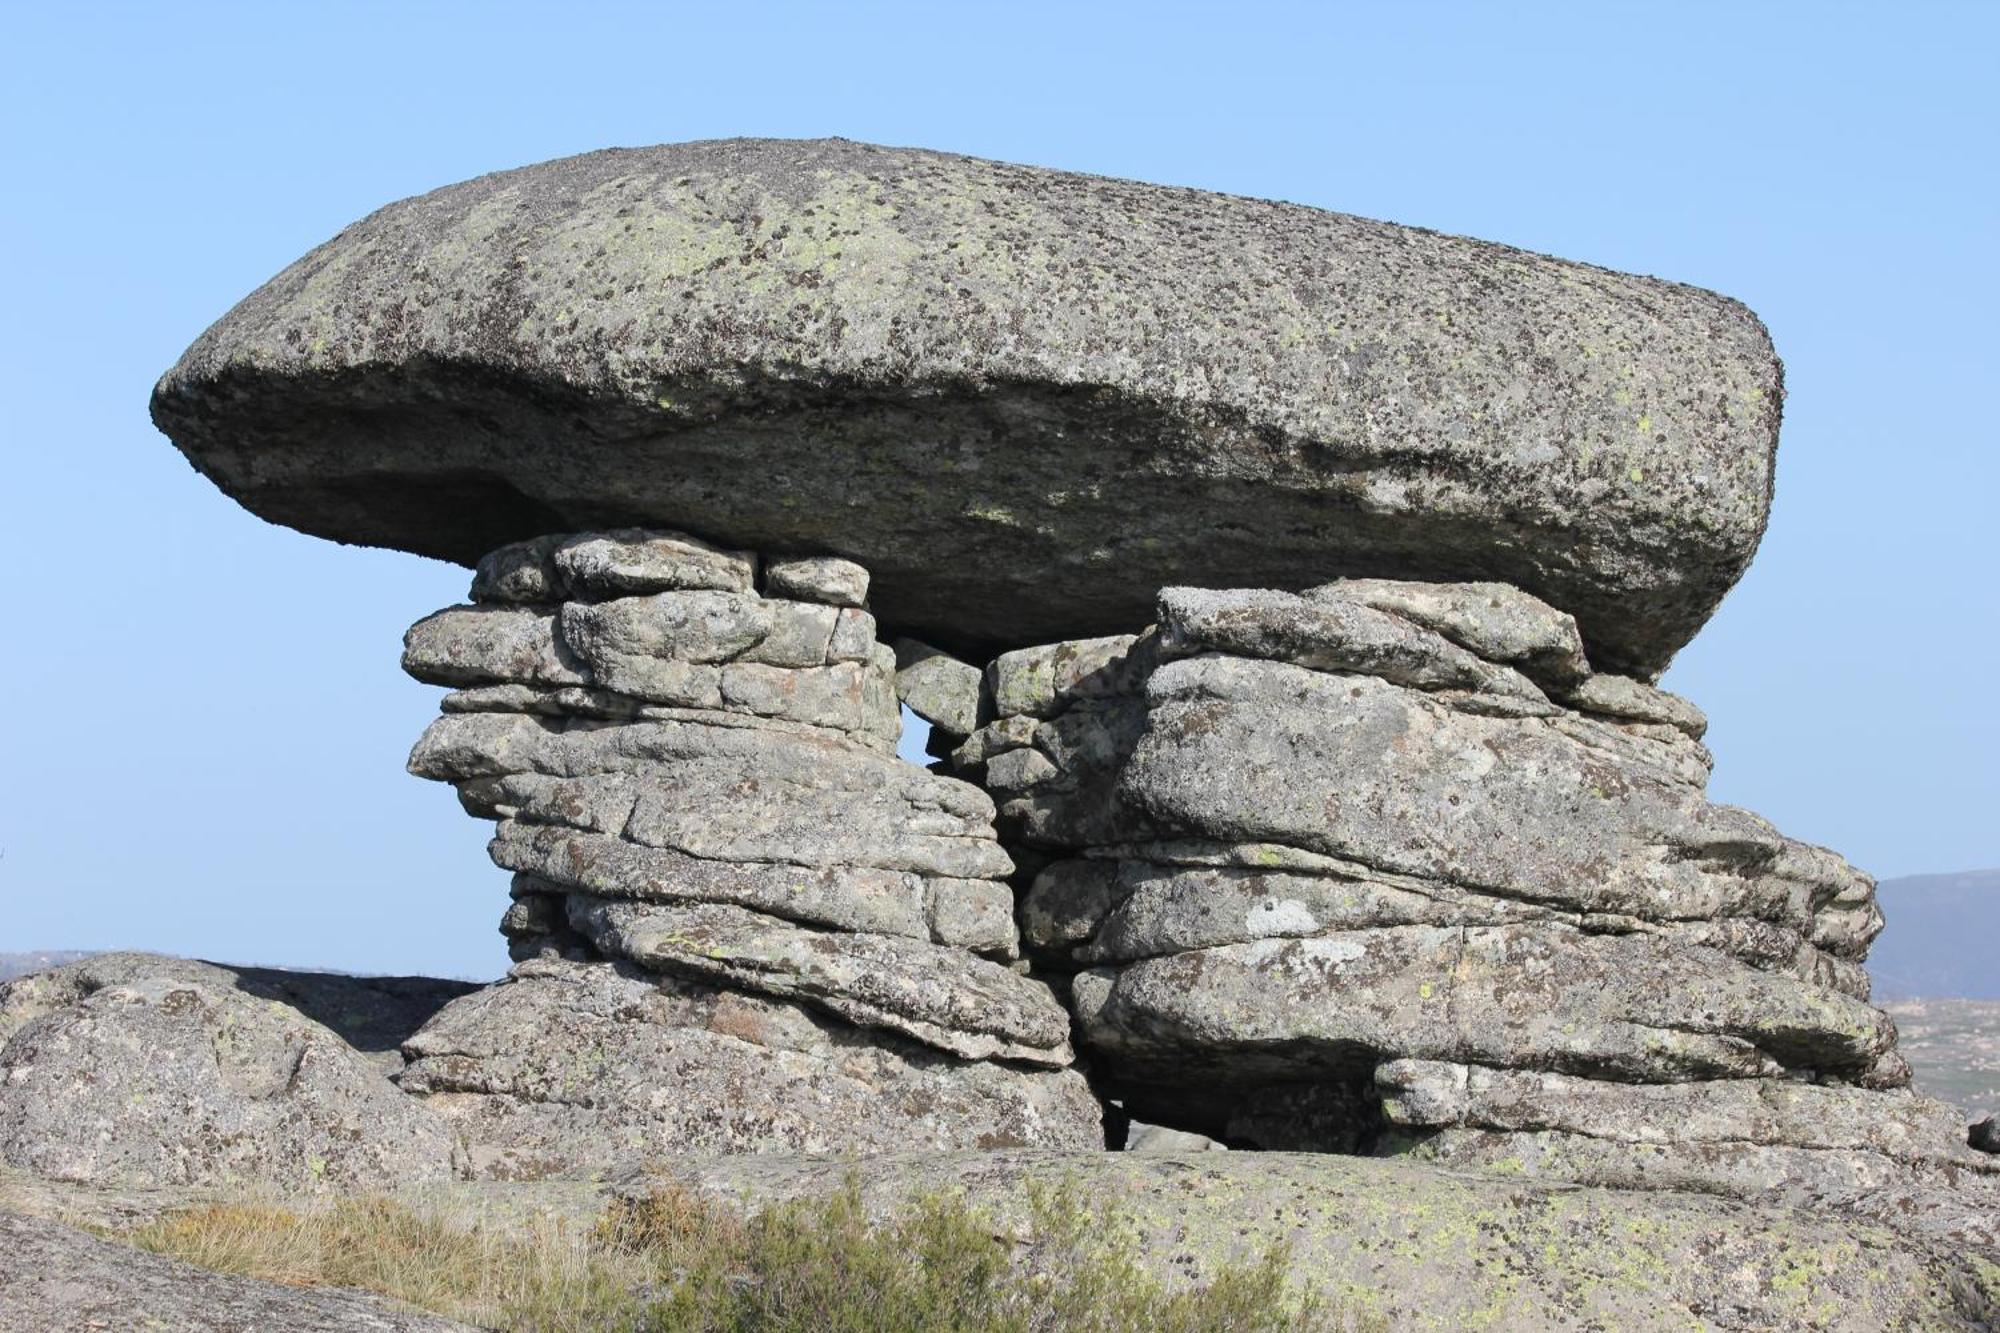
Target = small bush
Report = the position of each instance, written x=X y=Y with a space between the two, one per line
x=671 y=1263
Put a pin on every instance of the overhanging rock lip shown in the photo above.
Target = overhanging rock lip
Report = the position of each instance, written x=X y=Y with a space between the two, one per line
x=1602 y=439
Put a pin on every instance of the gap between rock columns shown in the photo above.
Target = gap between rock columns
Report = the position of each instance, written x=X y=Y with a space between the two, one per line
x=740 y=923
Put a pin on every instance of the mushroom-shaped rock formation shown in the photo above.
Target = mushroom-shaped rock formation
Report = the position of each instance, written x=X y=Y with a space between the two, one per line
x=1024 y=399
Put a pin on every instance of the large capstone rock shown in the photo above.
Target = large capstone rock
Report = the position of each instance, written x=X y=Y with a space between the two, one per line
x=170 y=1076
x=1025 y=399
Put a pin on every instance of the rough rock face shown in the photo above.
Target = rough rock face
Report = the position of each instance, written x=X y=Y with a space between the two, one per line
x=1414 y=862
x=743 y=924
x=148 y=1071
x=372 y=1014
x=1025 y=399
x=1394 y=852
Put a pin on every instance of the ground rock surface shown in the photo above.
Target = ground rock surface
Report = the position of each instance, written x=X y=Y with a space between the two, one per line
x=1024 y=399
x=1423 y=1247
x=1432 y=1249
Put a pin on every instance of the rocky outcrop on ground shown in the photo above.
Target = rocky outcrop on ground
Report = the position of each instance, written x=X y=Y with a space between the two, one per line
x=133 y=1069
x=1025 y=399
x=1387 y=867
x=743 y=924
x=374 y=1015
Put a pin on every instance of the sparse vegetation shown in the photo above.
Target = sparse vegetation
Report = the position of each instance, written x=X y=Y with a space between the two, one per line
x=672 y=1263
x=1953 y=1047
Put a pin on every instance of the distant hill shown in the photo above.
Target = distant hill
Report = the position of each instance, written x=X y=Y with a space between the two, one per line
x=1953 y=1047
x=20 y=964
x=1943 y=937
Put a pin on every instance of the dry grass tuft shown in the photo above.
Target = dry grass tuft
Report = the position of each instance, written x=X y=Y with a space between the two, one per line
x=672 y=1263
x=544 y=1278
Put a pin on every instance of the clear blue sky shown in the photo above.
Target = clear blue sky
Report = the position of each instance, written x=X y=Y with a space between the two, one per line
x=207 y=727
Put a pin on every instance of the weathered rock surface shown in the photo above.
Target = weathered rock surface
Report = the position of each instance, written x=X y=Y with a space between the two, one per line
x=975 y=914
x=1386 y=868
x=1422 y=1248
x=1894 y=1156
x=649 y=645
x=158 y=1078
x=1024 y=399
x=940 y=689
x=821 y=578
x=812 y=912
x=1624 y=1007
x=944 y=997
x=577 y=1068
x=57 y=1279
x=374 y=1015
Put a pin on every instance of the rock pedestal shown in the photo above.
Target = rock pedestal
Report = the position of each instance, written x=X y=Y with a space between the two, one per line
x=742 y=923
x=1386 y=867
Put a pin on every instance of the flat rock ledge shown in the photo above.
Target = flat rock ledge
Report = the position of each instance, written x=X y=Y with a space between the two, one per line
x=740 y=922
x=1025 y=399
x=1389 y=868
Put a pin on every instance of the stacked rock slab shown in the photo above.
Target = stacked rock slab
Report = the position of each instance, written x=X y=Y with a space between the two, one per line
x=740 y=922
x=1387 y=867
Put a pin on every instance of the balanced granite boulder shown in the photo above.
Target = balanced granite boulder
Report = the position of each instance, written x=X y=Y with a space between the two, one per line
x=1024 y=399
x=1388 y=868
x=741 y=923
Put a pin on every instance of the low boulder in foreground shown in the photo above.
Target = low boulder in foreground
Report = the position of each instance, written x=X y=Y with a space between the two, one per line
x=139 y=1070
